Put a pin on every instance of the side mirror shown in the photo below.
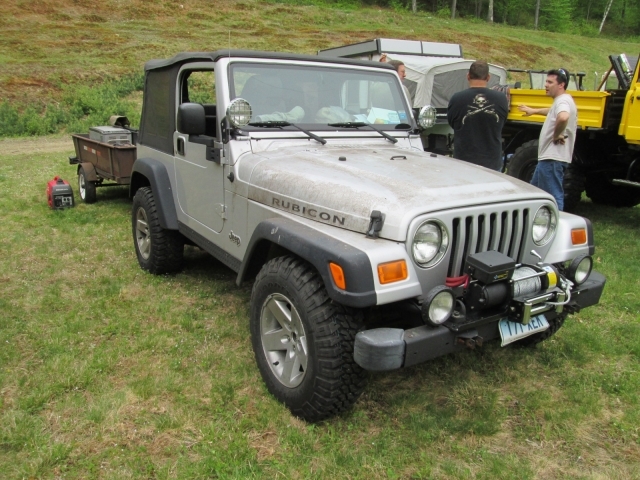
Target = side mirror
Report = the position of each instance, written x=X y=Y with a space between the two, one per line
x=191 y=119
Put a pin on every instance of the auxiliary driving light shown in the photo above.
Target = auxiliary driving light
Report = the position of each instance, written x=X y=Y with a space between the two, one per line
x=239 y=112
x=427 y=117
x=580 y=269
x=438 y=306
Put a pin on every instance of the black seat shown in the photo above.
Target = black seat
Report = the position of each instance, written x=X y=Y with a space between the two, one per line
x=265 y=94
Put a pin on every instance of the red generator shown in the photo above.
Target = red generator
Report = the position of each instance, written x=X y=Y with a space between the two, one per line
x=59 y=194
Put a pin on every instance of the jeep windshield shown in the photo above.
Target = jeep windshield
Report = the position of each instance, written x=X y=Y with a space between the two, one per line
x=319 y=98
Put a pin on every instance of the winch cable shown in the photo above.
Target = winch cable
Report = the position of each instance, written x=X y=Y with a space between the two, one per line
x=526 y=286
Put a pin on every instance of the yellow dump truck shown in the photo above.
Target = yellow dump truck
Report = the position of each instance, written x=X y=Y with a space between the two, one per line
x=606 y=161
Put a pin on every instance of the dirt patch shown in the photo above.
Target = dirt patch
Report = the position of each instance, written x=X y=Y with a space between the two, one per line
x=35 y=145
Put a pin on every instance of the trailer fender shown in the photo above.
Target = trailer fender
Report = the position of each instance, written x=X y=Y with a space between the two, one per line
x=89 y=171
x=318 y=249
x=148 y=172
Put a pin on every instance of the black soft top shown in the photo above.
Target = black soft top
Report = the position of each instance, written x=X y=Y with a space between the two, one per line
x=185 y=57
x=158 y=122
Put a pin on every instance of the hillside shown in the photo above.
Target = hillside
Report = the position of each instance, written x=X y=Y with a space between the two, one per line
x=50 y=47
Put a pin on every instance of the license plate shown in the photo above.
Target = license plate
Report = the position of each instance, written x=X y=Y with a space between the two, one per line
x=511 y=332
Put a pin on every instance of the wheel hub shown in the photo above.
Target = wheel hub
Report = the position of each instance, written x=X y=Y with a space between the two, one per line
x=143 y=237
x=283 y=340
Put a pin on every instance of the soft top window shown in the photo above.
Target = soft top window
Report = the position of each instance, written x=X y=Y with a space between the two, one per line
x=318 y=96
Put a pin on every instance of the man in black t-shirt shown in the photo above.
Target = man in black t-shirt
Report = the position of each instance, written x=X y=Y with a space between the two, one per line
x=477 y=115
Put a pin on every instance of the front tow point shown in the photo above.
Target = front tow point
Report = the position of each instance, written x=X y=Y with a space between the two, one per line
x=470 y=340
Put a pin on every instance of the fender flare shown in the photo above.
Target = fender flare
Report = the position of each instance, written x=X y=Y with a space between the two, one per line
x=89 y=170
x=149 y=172
x=318 y=249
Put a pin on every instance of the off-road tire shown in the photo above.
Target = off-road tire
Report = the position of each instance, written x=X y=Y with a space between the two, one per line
x=158 y=250
x=602 y=192
x=325 y=381
x=523 y=163
x=573 y=186
x=536 y=338
x=524 y=160
x=86 y=188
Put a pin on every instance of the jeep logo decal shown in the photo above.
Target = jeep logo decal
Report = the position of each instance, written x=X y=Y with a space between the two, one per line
x=307 y=212
x=234 y=238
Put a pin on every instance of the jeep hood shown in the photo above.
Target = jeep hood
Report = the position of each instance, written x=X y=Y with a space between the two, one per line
x=342 y=185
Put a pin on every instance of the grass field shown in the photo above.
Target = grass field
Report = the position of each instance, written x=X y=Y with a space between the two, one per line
x=108 y=372
x=76 y=41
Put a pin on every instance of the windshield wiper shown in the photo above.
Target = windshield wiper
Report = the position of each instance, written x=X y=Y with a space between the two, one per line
x=280 y=124
x=363 y=124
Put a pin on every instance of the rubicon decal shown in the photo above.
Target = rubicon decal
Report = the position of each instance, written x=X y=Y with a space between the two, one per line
x=309 y=212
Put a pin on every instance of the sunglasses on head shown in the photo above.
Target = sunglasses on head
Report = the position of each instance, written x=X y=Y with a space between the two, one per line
x=563 y=74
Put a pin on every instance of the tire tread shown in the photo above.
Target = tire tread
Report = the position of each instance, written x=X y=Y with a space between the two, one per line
x=339 y=381
x=167 y=246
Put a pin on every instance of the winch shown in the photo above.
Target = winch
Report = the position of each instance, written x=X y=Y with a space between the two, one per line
x=495 y=287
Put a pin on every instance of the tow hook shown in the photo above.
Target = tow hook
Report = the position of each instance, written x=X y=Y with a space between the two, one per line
x=471 y=340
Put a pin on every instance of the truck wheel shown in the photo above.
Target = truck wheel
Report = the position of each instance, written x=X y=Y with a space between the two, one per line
x=601 y=191
x=158 y=250
x=303 y=342
x=523 y=164
x=86 y=188
x=573 y=185
x=535 y=339
x=524 y=160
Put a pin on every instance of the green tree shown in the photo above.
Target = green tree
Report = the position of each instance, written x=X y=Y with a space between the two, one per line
x=557 y=15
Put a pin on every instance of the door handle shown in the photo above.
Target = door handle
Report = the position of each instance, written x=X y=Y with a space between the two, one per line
x=180 y=146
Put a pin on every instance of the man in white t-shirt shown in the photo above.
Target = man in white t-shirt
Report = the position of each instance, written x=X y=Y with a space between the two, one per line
x=557 y=137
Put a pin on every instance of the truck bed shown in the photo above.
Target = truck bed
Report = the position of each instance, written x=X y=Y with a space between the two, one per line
x=591 y=106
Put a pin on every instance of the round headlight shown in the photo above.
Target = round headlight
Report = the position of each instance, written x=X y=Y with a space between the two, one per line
x=427 y=117
x=239 y=112
x=430 y=243
x=580 y=269
x=438 y=306
x=544 y=225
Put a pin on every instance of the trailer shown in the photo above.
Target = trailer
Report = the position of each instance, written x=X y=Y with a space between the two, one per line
x=435 y=72
x=104 y=157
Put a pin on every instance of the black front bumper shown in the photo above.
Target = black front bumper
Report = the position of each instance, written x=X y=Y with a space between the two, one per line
x=383 y=349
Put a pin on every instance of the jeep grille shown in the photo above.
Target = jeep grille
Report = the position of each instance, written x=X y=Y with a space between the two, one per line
x=504 y=230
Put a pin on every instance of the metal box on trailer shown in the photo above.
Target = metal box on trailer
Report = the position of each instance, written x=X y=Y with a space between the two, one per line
x=112 y=135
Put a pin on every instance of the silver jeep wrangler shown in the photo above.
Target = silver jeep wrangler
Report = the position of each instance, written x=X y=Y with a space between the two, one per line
x=306 y=175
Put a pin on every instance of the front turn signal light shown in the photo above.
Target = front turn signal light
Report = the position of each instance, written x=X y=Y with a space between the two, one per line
x=392 y=272
x=338 y=275
x=579 y=236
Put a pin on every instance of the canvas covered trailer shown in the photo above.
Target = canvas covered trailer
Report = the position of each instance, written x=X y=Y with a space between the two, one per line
x=435 y=71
